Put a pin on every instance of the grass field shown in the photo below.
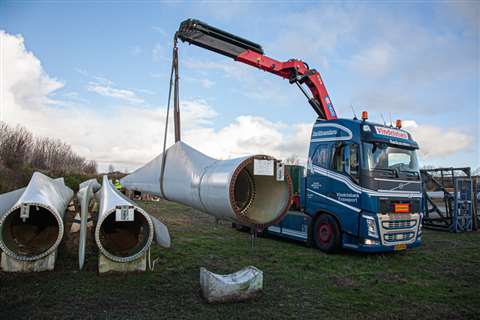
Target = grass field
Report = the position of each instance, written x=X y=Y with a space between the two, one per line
x=439 y=280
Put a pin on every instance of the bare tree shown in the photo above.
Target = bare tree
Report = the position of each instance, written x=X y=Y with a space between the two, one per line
x=90 y=167
x=15 y=146
x=111 y=168
x=39 y=159
x=18 y=148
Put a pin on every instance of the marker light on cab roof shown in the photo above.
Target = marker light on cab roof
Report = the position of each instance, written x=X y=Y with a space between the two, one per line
x=364 y=115
x=398 y=124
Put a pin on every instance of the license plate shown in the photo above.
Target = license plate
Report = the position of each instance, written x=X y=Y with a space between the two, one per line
x=399 y=247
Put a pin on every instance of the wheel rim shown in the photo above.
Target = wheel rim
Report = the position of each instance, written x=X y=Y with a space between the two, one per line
x=324 y=232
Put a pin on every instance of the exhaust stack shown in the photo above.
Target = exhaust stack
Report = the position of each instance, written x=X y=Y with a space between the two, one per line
x=31 y=218
x=236 y=189
x=124 y=231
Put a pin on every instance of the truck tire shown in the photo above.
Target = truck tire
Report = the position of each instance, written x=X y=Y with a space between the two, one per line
x=326 y=234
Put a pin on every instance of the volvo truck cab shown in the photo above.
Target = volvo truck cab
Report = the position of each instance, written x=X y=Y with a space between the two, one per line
x=361 y=189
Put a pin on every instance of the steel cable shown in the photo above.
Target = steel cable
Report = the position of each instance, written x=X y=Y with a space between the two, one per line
x=164 y=155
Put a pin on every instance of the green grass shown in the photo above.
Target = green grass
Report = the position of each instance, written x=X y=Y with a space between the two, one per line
x=438 y=280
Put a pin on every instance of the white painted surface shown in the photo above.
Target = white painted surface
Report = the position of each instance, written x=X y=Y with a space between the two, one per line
x=241 y=285
x=106 y=265
x=262 y=167
x=10 y=264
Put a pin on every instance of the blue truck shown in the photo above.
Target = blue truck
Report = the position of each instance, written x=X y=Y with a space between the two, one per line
x=362 y=187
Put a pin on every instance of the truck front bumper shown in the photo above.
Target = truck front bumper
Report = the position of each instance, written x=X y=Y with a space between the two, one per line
x=382 y=248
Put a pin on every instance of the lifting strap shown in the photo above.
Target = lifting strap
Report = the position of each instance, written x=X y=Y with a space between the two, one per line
x=174 y=79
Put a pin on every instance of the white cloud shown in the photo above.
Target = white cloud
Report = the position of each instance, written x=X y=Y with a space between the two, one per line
x=229 y=68
x=249 y=82
x=107 y=88
x=375 y=61
x=248 y=135
x=206 y=83
x=437 y=141
x=72 y=97
x=132 y=134
x=314 y=33
x=108 y=91
x=23 y=79
x=103 y=81
x=380 y=49
x=145 y=91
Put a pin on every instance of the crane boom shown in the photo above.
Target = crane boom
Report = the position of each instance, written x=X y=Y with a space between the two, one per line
x=245 y=51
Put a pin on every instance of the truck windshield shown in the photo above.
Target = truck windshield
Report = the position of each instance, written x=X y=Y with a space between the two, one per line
x=380 y=156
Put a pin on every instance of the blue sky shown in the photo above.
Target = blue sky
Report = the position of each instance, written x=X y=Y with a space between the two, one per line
x=418 y=61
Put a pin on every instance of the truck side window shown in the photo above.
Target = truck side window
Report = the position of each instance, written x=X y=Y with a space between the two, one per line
x=321 y=156
x=337 y=162
x=354 y=163
x=345 y=160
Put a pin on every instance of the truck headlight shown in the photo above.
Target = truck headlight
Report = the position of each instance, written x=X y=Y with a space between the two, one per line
x=372 y=228
x=370 y=242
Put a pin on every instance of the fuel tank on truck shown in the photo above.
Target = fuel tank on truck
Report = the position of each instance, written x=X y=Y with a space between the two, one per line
x=252 y=190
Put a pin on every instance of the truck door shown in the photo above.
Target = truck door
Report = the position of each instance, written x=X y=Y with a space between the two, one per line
x=317 y=178
x=345 y=191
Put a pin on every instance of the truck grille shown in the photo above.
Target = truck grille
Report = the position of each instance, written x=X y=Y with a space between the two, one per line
x=399 y=224
x=402 y=236
x=398 y=228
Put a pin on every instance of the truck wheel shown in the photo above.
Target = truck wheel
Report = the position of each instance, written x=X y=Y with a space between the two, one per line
x=326 y=234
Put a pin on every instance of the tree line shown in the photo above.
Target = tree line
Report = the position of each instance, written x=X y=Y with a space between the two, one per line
x=22 y=153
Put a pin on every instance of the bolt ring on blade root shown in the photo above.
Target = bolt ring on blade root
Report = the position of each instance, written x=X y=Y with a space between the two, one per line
x=99 y=235
x=243 y=178
x=241 y=203
x=8 y=225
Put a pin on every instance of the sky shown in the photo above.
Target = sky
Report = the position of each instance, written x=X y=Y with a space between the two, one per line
x=95 y=74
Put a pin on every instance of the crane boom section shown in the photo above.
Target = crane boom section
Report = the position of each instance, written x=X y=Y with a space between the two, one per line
x=245 y=51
